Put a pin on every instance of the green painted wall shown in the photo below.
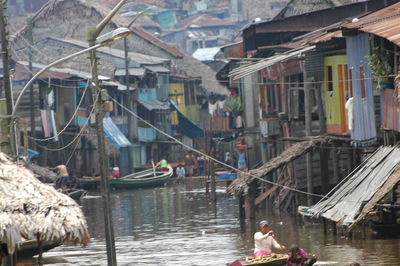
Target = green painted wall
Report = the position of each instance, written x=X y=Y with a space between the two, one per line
x=334 y=99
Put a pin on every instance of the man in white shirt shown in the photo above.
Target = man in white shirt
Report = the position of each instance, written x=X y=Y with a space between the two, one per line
x=264 y=241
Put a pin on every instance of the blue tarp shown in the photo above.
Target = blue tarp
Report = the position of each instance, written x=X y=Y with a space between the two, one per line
x=114 y=134
x=185 y=125
x=31 y=153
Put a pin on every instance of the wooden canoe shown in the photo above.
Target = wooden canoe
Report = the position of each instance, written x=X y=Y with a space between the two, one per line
x=270 y=262
x=147 y=178
x=30 y=248
x=275 y=261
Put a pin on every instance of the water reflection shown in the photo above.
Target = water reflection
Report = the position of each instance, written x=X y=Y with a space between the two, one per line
x=178 y=226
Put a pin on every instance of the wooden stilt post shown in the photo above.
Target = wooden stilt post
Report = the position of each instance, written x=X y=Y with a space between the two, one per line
x=40 y=249
x=242 y=212
x=310 y=183
x=213 y=183
x=324 y=166
x=308 y=131
x=350 y=160
x=250 y=202
x=334 y=229
x=325 y=226
x=335 y=163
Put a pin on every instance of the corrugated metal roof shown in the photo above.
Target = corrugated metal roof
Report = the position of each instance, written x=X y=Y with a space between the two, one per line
x=346 y=203
x=157 y=69
x=114 y=134
x=246 y=70
x=65 y=72
x=154 y=105
x=206 y=54
x=133 y=71
x=299 y=7
x=384 y=23
x=137 y=57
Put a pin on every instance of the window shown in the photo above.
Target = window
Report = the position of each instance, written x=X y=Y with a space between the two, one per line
x=329 y=78
x=350 y=82
x=362 y=82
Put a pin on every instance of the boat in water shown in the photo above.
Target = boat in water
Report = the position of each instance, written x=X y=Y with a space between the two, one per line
x=30 y=248
x=76 y=193
x=265 y=260
x=148 y=178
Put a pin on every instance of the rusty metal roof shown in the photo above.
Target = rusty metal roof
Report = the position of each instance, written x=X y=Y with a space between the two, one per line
x=383 y=23
x=299 y=7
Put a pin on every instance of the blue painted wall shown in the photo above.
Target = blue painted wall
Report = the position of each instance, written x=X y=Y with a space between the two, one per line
x=364 y=129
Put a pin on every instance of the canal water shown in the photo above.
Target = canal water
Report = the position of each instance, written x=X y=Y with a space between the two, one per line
x=177 y=225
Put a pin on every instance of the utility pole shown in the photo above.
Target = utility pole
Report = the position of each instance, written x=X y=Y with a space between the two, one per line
x=6 y=78
x=308 y=122
x=98 y=99
x=31 y=92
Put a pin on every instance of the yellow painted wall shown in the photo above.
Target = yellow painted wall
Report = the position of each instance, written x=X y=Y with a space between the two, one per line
x=177 y=94
x=335 y=100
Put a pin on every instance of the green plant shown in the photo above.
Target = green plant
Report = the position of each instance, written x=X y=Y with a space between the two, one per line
x=234 y=104
x=379 y=62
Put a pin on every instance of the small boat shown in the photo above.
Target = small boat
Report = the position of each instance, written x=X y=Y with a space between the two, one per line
x=148 y=178
x=30 y=248
x=274 y=259
x=76 y=193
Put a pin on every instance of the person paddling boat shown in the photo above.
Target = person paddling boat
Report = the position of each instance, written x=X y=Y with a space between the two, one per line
x=264 y=241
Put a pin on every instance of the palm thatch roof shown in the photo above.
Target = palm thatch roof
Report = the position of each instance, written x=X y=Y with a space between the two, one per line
x=240 y=185
x=29 y=208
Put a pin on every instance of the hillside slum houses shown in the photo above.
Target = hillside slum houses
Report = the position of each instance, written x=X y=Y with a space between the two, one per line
x=319 y=94
x=166 y=87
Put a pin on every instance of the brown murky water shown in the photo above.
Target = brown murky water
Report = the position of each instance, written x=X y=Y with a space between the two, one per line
x=177 y=225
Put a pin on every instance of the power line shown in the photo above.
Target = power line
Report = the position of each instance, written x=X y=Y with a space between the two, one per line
x=237 y=170
x=77 y=136
x=70 y=121
x=209 y=157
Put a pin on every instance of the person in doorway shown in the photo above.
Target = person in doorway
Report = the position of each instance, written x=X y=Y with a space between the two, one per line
x=264 y=241
x=241 y=159
x=163 y=164
x=180 y=172
x=62 y=172
x=299 y=256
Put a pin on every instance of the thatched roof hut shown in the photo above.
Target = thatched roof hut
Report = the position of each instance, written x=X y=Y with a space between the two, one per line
x=240 y=185
x=29 y=208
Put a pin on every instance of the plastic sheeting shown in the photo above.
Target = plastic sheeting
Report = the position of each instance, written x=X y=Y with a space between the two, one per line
x=114 y=134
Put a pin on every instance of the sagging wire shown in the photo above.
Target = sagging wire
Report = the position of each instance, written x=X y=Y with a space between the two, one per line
x=240 y=171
